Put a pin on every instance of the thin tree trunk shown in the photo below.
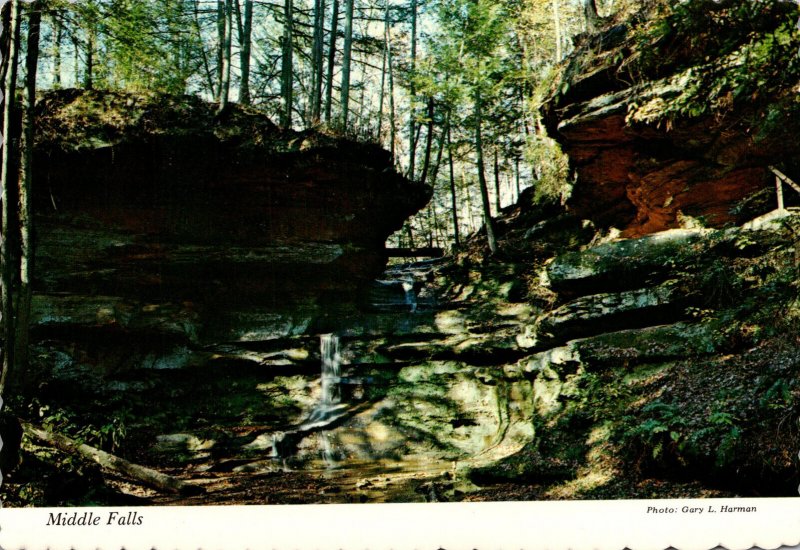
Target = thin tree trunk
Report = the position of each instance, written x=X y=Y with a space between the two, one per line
x=346 y=62
x=456 y=239
x=6 y=260
x=207 y=68
x=331 y=61
x=225 y=84
x=466 y=188
x=5 y=39
x=76 y=60
x=557 y=28
x=246 y=42
x=428 y=142
x=412 y=92
x=287 y=65
x=496 y=182
x=487 y=211
x=58 y=31
x=392 y=121
x=220 y=45
x=25 y=192
x=410 y=235
x=88 y=76
x=317 y=60
x=383 y=72
x=591 y=16
x=434 y=175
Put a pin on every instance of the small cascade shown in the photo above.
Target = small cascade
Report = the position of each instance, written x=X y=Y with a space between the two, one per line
x=410 y=296
x=331 y=387
x=330 y=406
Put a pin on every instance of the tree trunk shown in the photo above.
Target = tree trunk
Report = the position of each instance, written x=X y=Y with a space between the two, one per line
x=496 y=182
x=76 y=52
x=434 y=175
x=516 y=175
x=316 y=60
x=88 y=75
x=468 y=197
x=382 y=93
x=287 y=65
x=428 y=142
x=331 y=61
x=6 y=260
x=25 y=192
x=557 y=28
x=392 y=121
x=199 y=35
x=220 y=45
x=591 y=16
x=412 y=92
x=487 y=211
x=146 y=476
x=346 y=62
x=225 y=83
x=452 y=185
x=244 y=53
x=5 y=40
x=58 y=31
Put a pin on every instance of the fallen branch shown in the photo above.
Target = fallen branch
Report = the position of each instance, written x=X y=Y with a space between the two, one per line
x=146 y=476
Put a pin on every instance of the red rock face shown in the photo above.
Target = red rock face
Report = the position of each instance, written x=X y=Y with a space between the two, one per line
x=647 y=177
x=644 y=182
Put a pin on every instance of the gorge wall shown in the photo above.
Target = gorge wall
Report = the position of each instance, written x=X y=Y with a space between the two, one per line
x=184 y=292
x=159 y=212
x=672 y=116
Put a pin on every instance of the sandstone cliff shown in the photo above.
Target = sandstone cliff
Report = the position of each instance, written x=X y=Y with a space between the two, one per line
x=671 y=117
x=147 y=199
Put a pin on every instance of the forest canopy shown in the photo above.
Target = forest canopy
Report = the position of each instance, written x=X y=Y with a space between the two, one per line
x=450 y=87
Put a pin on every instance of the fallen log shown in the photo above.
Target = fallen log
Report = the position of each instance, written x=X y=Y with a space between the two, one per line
x=147 y=476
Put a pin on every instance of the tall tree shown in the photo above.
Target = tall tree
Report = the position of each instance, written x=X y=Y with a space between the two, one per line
x=412 y=141
x=88 y=75
x=58 y=31
x=390 y=67
x=25 y=190
x=347 y=55
x=487 y=211
x=6 y=258
x=245 y=41
x=428 y=142
x=317 y=55
x=226 y=47
x=287 y=66
x=453 y=196
x=496 y=180
x=331 y=61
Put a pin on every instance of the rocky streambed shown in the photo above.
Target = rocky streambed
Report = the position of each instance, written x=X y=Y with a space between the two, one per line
x=240 y=330
x=627 y=368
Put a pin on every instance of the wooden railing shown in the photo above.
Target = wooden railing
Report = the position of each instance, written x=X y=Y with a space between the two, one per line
x=781 y=178
x=414 y=252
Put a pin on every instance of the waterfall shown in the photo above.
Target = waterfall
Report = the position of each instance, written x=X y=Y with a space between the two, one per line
x=331 y=390
x=410 y=297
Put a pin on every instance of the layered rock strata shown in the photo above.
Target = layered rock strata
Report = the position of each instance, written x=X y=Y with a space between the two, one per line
x=155 y=211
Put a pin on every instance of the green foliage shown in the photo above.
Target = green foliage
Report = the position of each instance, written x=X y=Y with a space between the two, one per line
x=738 y=52
x=109 y=435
